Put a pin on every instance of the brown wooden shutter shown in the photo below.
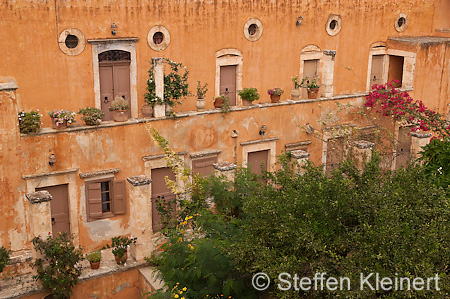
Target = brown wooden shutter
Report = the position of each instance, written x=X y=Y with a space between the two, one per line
x=120 y=197
x=94 y=200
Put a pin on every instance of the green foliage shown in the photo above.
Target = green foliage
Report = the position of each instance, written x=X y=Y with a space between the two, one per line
x=119 y=103
x=201 y=90
x=310 y=84
x=91 y=115
x=58 y=270
x=225 y=106
x=94 y=257
x=120 y=245
x=4 y=257
x=29 y=122
x=249 y=94
x=295 y=81
x=175 y=85
x=436 y=159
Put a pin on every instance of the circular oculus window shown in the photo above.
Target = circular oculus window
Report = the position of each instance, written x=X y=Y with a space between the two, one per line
x=333 y=25
x=158 y=38
x=253 y=29
x=401 y=22
x=72 y=41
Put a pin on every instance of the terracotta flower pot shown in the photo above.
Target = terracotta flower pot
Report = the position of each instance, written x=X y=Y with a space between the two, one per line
x=246 y=102
x=120 y=115
x=274 y=98
x=313 y=93
x=147 y=110
x=95 y=266
x=122 y=260
x=59 y=126
x=218 y=103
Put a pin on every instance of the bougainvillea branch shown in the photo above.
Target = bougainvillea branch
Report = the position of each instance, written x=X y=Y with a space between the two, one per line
x=402 y=107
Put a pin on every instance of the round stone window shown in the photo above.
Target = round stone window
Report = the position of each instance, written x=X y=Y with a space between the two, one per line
x=158 y=38
x=401 y=22
x=333 y=25
x=253 y=29
x=72 y=41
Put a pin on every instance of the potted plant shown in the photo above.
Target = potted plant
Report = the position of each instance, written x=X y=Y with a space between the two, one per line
x=311 y=86
x=91 y=115
x=119 y=247
x=218 y=101
x=60 y=118
x=248 y=95
x=275 y=94
x=57 y=269
x=201 y=92
x=120 y=109
x=94 y=259
x=147 y=109
x=296 y=91
x=29 y=122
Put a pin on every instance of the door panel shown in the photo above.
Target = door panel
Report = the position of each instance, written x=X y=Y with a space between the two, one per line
x=310 y=68
x=256 y=160
x=228 y=82
x=59 y=208
x=160 y=192
x=376 y=75
x=106 y=90
x=121 y=74
x=204 y=167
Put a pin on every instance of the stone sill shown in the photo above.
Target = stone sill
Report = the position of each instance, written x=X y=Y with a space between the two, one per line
x=183 y=114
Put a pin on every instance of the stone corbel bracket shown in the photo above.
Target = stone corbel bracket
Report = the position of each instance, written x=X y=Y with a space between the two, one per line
x=139 y=180
x=224 y=166
x=39 y=196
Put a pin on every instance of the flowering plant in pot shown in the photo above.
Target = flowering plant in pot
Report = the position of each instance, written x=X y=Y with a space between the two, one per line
x=94 y=259
x=120 y=108
x=91 y=116
x=29 y=122
x=311 y=86
x=275 y=94
x=201 y=92
x=248 y=95
x=119 y=247
x=60 y=118
x=296 y=91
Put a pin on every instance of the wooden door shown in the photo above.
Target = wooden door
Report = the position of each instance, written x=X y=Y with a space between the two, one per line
x=396 y=69
x=59 y=208
x=310 y=68
x=228 y=82
x=114 y=81
x=160 y=192
x=403 y=147
x=258 y=161
x=376 y=74
x=204 y=166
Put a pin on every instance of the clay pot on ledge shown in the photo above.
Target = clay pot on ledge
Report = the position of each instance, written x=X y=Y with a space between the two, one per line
x=200 y=104
x=313 y=93
x=218 y=102
x=95 y=266
x=59 y=126
x=121 y=260
x=147 y=110
x=274 y=98
x=120 y=115
x=246 y=102
x=295 y=94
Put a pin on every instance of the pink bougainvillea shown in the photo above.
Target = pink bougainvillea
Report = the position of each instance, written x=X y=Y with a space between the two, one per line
x=401 y=106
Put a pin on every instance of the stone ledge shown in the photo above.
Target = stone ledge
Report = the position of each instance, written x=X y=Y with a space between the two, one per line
x=8 y=86
x=363 y=144
x=98 y=173
x=224 y=166
x=300 y=154
x=39 y=196
x=155 y=157
x=297 y=144
x=205 y=153
x=139 y=180
x=33 y=176
x=259 y=141
x=421 y=134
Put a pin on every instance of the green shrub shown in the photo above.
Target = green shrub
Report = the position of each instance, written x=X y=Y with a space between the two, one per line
x=94 y=257
x=120 y=245
x=249 y=94
x=91 y=115
x=4 y=257
x=29 y=122
x=436 y=159
x=57 y=269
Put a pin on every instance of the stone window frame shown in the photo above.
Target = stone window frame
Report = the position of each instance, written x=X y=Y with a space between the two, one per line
x=259 y=29
x=203 y=155
x=228 y=57
x=269 y=144
x=404 y=26
x=124 y=44
x=41 y=227
x=337 y=29
x=325 y=69
x=378 y=48
x=343 y=131
x=166 y=40
x=81 y=42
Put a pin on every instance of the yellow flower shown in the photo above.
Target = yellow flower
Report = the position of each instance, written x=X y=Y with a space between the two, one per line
x=184 y=289
x=176 y=296
x=180 y=239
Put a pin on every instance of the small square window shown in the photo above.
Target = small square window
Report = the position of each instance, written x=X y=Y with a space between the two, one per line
x=105 y=198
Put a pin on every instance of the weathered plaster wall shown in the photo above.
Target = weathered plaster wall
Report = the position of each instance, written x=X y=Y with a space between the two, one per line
x=50 y=79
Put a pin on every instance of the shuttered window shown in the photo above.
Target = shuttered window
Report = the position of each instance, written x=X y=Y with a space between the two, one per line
x=105 y=198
